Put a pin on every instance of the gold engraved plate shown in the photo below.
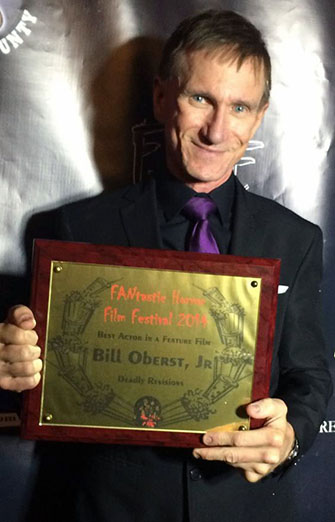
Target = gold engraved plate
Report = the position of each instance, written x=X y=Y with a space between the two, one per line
x=138 y=348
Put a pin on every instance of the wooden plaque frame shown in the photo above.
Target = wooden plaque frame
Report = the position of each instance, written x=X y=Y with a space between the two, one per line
x=47 y=252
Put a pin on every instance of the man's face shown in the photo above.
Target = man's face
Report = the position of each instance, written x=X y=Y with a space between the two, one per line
x=209 y=116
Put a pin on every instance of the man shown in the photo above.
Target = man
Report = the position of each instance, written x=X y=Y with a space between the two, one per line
x=211 y=95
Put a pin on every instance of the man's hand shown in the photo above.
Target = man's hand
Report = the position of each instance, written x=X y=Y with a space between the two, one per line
x=257 y=452
x=20 y=365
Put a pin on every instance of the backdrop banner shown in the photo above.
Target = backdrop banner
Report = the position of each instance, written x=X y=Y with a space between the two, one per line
x=76 y=116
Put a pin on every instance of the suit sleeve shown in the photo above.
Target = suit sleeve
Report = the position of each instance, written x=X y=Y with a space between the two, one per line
x=304 y=382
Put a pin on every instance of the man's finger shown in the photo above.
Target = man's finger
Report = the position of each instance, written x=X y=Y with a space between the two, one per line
x=21 y=316
x=18 y=353
x=267 y=409
x=252 y=438
x=15 y=335
x=19 y=384
x=240 y=456
x=257 y=473
x=21 y=369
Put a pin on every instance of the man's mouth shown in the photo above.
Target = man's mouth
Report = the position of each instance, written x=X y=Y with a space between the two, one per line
x=208 y=149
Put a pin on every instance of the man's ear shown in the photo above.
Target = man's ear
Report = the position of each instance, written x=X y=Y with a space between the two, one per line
x=159 y=99
x=263 y=110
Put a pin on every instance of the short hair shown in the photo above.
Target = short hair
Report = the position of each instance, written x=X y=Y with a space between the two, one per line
x=213 y=30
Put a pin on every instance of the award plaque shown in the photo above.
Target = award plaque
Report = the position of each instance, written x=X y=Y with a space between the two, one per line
x=148 y=346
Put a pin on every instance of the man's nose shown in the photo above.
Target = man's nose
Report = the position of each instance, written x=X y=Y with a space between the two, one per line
x=217 y=127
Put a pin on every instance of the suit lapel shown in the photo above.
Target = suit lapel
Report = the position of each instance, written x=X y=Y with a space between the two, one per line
x=247 y=235
x=140 y=219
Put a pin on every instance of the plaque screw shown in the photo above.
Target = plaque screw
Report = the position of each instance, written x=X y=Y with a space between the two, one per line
x=254 y=284
x=242 y=428
x=58 y=269
x=48 y=417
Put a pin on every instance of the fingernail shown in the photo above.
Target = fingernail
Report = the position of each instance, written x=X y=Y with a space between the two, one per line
x=196 y=455
x=26 y=317
x=208 y=439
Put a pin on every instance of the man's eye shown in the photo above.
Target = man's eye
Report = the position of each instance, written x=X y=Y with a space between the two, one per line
x=239 y=108
x=198 y=98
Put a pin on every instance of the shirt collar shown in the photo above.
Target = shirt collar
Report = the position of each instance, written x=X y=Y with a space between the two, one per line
x=172 y=196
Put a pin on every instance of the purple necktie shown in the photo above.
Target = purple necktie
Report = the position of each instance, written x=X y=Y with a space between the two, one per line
x=198 y=209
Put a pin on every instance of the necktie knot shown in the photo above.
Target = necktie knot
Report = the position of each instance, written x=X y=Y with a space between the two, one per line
x=199 y=208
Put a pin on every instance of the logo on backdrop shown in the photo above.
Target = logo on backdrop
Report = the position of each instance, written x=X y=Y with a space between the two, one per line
x=15 y=25
x=9 y=420
x=328 y=426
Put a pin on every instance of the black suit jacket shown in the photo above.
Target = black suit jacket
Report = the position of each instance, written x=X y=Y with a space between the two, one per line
x=128 y=483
